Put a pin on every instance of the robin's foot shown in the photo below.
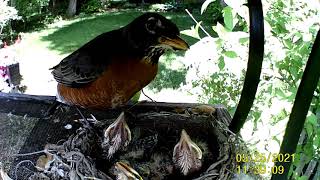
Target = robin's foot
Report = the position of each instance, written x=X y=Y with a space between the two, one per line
x=52 y=109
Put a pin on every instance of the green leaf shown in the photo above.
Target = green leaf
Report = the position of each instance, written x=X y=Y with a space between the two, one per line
x=244 y=40
x=205 y=5
x=303 y=178
x=296 y=37
x=308 y=150
x=228 y=17
x=287 y=43
x=316 y=141
x=221 y=63
x=304 y=49
x=292 y=97
x=276 y=139
x=307 y=37
x=312 y=119
x=309 y=129
x=230 y=54
x=280 y=93
x=219 y=43
x=136 y=97
x=234 y=4
x=197 y=27
x=220 y=30
x=193 y=31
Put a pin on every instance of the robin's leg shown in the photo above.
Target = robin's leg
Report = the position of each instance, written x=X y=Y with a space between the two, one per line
x=155 y=102
x=58 y=105
x=52 y=109
x=84 y=120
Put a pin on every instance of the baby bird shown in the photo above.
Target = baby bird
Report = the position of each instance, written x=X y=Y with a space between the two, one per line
x=187 y=155
x=116 y=136
x=124 y=172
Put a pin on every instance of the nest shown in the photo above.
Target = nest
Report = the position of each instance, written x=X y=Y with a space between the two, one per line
x=154 y=135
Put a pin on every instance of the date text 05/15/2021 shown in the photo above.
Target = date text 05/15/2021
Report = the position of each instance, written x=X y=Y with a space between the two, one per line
x=259 y=161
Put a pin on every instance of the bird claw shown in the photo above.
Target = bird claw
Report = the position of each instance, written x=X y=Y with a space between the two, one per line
x=116 y=136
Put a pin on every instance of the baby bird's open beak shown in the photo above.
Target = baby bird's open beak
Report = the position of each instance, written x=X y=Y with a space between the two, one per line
x=125 y=172
x=187 y=155
x=117 y=135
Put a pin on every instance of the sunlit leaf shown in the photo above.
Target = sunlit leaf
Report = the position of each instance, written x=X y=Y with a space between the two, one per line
x=220 y=30
x=303 y=178
x=221 y=63
x=234 y=4
x=219 y=43
x=309 y=129
x=237 y=6
x=205 y=5
x=292 y=97
x=304 y=49
x=276 y=139
x=193 y=31
x=280 y=93
x=307 y=37
x=230 y=54
x=287 y=43
x=312 y=119
x=316 y=141
x=197 y=28
x=228 y=17
x=308 y=149
x=243 y=40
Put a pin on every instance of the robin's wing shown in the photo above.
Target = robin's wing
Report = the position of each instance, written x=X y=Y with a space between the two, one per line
x=76 y=70
x=87 y=63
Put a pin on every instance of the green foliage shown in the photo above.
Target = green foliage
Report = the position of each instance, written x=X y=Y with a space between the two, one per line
x=212 y=9
x=91 y=6
x=29 y=8
x=34 y=13
x=229 y=18
x=230 y=54
x=290 y=29
x=7 y=13
x=167 y=77
x=193 y=31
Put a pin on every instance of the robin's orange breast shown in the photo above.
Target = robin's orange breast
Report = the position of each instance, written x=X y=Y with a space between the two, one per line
x=118 y=83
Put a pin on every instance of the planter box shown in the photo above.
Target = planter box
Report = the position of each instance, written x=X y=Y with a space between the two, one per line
x=164 y=121
x=14 y=74
x=11 y=74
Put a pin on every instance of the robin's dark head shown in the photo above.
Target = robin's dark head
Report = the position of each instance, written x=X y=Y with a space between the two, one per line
x=153 y=33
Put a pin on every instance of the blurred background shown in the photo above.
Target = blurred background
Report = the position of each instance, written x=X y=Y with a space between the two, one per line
x=36 y=34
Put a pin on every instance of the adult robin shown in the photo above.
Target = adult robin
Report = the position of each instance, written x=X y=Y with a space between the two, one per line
x=107 y=71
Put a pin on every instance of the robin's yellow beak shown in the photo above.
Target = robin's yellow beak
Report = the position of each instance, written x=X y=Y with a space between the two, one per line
x=176 y=42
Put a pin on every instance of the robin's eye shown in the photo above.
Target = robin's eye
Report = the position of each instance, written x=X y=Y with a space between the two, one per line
x=152 y=25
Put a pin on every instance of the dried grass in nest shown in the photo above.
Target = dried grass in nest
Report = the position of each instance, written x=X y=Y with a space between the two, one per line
x=68 y=160
x=229 y=145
